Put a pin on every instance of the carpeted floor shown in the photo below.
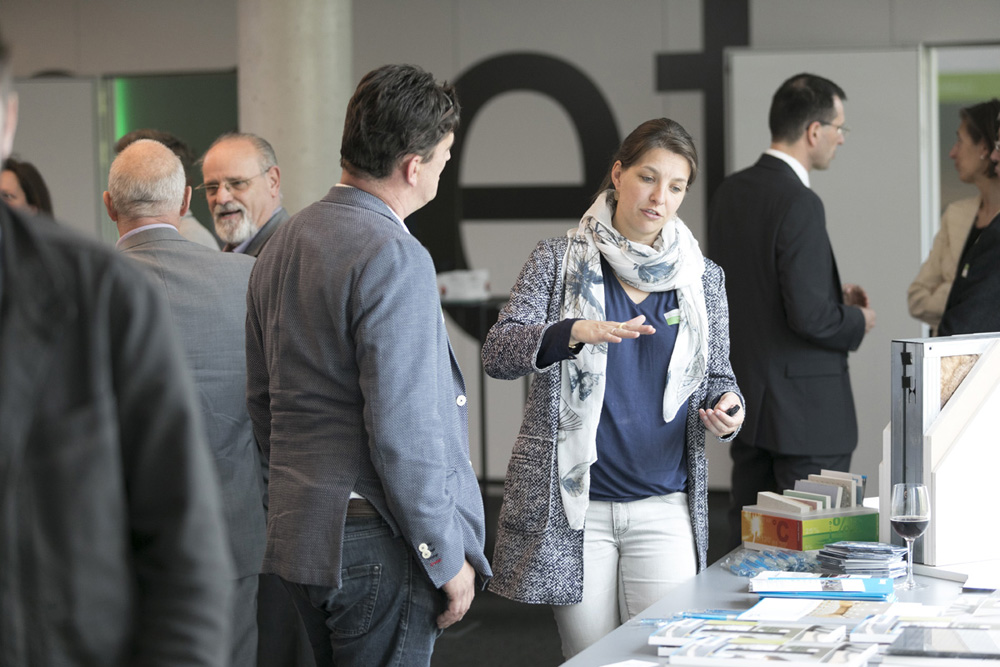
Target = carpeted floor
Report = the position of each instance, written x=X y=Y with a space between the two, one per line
x=499 y=632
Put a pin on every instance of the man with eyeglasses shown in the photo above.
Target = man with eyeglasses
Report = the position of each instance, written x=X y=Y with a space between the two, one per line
x=792 y=323
x=375 y=521
x=242 y=183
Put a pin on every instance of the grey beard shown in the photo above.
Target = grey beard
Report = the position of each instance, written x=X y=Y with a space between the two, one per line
x=236 y=232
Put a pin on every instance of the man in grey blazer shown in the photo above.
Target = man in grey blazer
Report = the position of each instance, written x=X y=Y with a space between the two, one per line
x=206 y=292
x=357 y=400
x=242 y=183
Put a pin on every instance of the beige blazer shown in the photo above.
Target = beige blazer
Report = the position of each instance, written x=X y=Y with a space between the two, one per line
x=928 y=293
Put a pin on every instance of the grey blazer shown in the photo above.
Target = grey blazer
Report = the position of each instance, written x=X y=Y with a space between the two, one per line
x=352 y=386
x=206 y=293
x=538 y=557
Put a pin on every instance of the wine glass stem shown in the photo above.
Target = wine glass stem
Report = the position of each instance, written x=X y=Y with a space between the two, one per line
x=909 y=563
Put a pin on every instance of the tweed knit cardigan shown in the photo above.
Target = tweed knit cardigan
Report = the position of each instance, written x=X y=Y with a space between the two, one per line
x=538 y=557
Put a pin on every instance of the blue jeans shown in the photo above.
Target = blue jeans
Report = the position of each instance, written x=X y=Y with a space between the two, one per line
x=386 y=609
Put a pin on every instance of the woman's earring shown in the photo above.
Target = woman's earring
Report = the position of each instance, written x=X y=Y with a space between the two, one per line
x=615 y=196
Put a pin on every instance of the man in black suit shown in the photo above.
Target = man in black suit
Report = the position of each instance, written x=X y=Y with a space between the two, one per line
x=792 y=322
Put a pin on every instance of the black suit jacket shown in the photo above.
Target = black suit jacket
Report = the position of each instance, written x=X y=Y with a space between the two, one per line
x=789 y=327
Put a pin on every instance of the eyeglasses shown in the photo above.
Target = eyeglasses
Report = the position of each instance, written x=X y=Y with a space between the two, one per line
x=842 y=129
x=231 y=184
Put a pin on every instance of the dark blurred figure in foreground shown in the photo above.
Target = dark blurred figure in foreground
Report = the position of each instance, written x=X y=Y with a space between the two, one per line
x=112 y=547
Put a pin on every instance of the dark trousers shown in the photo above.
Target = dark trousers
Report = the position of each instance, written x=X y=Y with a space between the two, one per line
x=244 y=636
x=756 y=469
x=384 y=613
x=282 y=639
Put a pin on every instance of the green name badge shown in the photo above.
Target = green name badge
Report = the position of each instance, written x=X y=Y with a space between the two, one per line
x=672 y=317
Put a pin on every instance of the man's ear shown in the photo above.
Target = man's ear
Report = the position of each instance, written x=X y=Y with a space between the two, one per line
x=273 y=177
x=411 y=168
x=112 y=213
x=186 y=204
x=9 y=125
x=812 y=132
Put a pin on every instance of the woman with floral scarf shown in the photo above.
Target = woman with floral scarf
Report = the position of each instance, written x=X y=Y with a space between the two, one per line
x=625 y=326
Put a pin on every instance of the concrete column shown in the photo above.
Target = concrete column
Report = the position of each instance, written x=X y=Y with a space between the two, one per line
x=295 y=78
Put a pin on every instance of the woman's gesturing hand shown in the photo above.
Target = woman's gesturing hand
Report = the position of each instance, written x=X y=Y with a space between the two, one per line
x=595 y=332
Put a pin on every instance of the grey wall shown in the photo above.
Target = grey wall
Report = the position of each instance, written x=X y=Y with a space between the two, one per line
x=521 y=138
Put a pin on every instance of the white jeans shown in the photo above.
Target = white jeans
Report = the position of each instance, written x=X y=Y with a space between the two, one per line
x=633 y=554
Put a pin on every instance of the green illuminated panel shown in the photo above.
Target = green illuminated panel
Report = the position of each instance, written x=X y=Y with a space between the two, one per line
x=968 y=87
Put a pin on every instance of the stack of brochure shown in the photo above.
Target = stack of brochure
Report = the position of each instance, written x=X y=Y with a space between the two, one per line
x=820 y=587
x=875 y=559
x=720 y=642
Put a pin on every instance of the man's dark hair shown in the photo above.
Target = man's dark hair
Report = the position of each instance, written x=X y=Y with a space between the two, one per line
x=36 y=193
x=981 y=124
x=397 y=110
x=799 y=102
x=180 y=149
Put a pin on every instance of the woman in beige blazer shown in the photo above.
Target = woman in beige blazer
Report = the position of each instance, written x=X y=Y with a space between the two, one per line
x=928 y=293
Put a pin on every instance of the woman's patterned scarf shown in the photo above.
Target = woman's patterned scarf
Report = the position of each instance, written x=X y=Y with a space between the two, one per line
x=674 y=262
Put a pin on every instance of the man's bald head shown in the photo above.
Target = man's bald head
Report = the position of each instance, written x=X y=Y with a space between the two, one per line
x=147 y=181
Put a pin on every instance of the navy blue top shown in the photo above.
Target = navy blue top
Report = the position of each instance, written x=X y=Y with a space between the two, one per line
x=638 y=454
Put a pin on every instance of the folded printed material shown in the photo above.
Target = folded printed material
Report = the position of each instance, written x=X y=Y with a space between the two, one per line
x=814 y=586
x=682 y=631
x=886 y=628
x=859 y=482
x=877 y=559
x=946 y=643
x=833 y=492
x=724 y=651
x=849 y=496
x=771 y=500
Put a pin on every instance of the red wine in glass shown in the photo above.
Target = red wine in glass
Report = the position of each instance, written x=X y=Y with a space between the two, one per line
x=909 y=516
x=909 y=527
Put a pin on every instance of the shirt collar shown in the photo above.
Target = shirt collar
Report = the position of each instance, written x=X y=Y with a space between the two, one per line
x=155 y=225
x=394 y=214
x=796 y=166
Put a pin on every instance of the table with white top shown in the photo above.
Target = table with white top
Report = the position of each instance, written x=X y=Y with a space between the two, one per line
x=715 y=588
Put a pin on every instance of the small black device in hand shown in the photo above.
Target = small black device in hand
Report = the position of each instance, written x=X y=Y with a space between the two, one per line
x=733 y=410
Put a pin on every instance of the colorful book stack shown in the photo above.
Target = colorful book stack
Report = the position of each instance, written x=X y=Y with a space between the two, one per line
x=875 y=559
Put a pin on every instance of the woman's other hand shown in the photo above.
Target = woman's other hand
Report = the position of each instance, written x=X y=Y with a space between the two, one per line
x=595 y=332
x=718 y=420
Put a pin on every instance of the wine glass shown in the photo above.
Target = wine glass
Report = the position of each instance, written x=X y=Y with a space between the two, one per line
x=909 y=516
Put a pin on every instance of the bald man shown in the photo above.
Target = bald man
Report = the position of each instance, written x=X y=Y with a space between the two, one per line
x=147 y=198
